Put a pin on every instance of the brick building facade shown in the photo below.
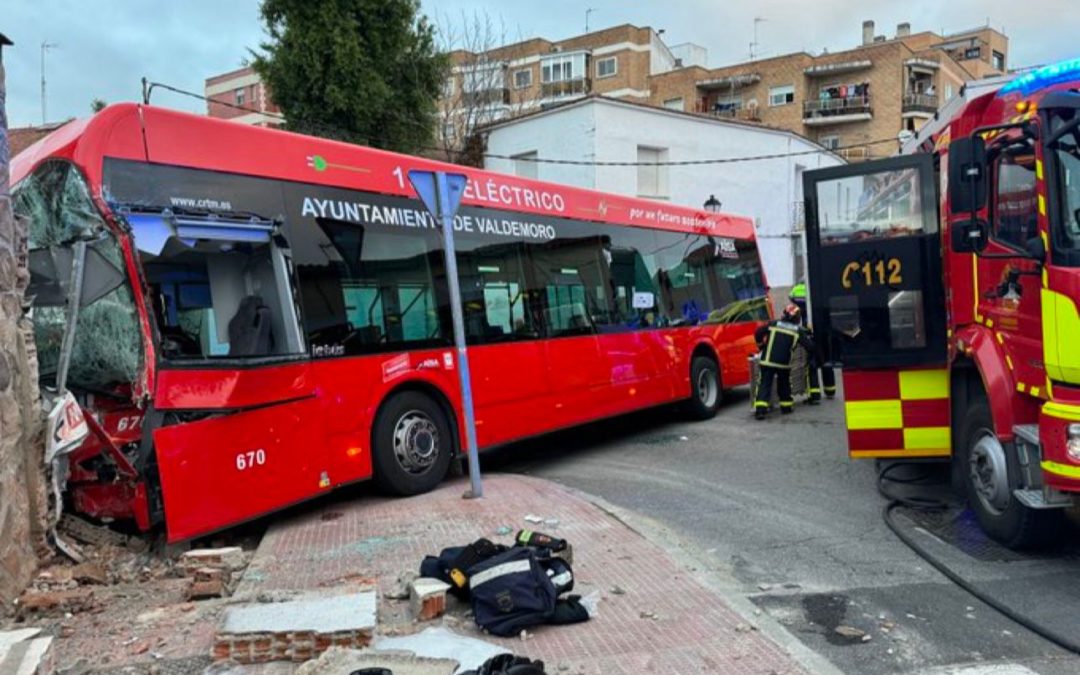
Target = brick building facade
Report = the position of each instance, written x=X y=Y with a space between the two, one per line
x=854 y=100
x=241 y=96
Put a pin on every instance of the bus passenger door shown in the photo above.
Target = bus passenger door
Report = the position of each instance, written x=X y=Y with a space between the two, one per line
x=236 y=425
x=878 y=303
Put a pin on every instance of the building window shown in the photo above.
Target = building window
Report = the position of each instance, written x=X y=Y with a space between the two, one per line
x=522 y=78
x=525 y=165
x=563 y=68
x=607 y=67
x=675 y=104
x=999 y=61
x=241 y=96
x=448 y=87
x=484 y=77
x=450 y=132
x=972 y=53
x=782 y=95
x=948 y=91
x=830 y=142
x=652 y=174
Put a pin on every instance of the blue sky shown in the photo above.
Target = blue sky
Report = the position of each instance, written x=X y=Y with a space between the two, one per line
x=104 y=48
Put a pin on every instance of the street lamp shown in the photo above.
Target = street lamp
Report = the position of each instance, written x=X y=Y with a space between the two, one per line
x=713 y=204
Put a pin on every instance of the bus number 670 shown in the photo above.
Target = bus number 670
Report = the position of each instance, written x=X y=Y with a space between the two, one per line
x=250 y=459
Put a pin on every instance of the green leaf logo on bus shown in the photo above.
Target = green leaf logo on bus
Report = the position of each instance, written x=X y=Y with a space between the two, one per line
x=319 y=163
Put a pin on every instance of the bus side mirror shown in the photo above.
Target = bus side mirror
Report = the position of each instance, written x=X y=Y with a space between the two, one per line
x=967 y=175
x=969 y=236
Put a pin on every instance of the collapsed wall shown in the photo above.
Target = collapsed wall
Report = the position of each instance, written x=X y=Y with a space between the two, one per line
x=22 y=483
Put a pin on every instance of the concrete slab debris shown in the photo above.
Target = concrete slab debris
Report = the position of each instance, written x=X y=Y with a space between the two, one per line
x=322 y=614
x=439 y=642
x=228 y=557
x=297 y=630
x=21 y=651
x=427 y=598
x=336 y=661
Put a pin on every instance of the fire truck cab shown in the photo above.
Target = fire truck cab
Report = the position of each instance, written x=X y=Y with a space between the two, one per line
x=945 y=282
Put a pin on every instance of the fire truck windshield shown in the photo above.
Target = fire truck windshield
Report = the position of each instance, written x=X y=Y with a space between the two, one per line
x=1066 y=238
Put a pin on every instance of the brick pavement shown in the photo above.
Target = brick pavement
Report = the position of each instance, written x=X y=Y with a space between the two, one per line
x=693 y=631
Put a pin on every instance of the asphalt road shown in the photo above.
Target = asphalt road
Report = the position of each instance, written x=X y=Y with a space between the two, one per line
x=777 y=507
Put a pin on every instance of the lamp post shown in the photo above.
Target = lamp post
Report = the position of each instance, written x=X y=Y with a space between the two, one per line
x=712 y=205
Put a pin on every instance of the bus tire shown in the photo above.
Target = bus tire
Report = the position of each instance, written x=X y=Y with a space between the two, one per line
x=705 y=388
x=412 y=443
x=989 y=490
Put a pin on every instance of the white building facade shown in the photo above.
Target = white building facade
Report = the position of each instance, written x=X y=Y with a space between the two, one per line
x=598 y=131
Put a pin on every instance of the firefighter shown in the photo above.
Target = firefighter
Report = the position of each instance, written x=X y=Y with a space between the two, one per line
x=777 y=340
x=828 y=377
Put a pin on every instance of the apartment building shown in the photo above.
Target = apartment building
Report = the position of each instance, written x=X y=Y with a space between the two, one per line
x=241 y=96
x=492 y=85
x=854 y=100
x=849 y=100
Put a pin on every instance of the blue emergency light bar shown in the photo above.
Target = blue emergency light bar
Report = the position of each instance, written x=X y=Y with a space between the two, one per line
x=1044 y=77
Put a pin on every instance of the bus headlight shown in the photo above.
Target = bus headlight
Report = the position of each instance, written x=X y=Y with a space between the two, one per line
x=1072 y=446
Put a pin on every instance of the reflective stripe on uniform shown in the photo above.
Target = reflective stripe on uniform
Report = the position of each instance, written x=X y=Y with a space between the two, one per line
x=761 y=404
x=787 y=404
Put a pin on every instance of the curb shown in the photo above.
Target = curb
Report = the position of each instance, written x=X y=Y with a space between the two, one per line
x=696 y=563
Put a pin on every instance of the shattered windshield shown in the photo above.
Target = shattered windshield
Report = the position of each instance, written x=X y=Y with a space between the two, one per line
x=107 y=348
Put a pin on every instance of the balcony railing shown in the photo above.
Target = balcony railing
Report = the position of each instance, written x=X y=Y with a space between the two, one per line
x=837 y=107
x=927 y=103
x=580 y=86
x=856 y=154
x=744 y=114
x=486 y=97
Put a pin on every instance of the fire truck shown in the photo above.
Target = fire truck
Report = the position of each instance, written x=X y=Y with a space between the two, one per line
x=945 y=282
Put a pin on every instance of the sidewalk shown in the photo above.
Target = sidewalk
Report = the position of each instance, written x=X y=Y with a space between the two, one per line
x=659 y=619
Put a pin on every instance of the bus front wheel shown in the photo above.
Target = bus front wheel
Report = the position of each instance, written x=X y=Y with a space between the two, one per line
x=985 y=469
x=705 y=390
x=411 y=445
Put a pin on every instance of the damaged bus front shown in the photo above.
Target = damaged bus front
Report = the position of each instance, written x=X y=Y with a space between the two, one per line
x=117 y=287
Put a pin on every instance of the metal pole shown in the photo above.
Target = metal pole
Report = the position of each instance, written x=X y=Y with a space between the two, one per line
x=74 y=304
x=447 y=219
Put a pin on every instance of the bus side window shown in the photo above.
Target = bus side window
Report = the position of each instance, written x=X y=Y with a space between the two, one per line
x=370 y=289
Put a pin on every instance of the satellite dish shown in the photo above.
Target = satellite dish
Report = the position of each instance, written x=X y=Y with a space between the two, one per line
x=905 y=135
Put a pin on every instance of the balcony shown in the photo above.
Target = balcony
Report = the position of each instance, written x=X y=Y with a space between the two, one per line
x=919 y=104
x=837 y=111
x=743 y=114
x=856 y=154
x=486 y=97
x=576 y=87
x=832 y=69
x=728 y=82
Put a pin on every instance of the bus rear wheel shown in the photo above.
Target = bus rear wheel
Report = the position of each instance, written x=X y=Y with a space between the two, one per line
x=411 y=444
x=705 y=390
x=985 y=469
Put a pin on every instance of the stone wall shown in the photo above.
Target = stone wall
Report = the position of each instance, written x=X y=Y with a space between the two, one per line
x=22 y=485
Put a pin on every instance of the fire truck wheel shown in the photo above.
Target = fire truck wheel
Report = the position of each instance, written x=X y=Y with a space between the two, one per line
x=411 y=444
x=705 y=391
x=989 y=490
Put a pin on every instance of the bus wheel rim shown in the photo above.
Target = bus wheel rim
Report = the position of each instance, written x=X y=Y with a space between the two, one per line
x=706 y=386
x=989 y=473
x=416 y=441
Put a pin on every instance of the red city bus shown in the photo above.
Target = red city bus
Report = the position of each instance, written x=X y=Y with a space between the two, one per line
x=264 y=316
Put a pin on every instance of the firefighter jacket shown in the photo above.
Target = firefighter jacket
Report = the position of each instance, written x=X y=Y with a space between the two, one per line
x=778 y=340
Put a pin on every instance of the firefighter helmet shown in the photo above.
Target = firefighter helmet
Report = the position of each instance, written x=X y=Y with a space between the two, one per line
x=798 y=292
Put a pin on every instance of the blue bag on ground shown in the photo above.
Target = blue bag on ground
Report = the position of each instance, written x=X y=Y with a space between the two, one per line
x=511 y=591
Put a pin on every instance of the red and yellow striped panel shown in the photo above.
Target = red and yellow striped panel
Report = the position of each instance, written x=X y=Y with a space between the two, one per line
x=898 y=413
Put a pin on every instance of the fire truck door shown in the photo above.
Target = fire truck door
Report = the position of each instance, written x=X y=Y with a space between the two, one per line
x=877 y=302
x=1008 y=284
